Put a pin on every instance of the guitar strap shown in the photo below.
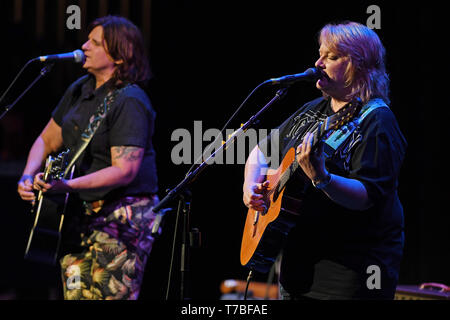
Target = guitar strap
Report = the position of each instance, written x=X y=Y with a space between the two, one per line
x=332 y=143
x=93 y=125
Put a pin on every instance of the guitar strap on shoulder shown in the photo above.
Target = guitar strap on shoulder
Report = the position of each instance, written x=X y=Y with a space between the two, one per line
x=332 y=143
x=94 y=123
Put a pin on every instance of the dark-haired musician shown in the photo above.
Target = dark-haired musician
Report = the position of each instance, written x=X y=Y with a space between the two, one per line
x=117 y=178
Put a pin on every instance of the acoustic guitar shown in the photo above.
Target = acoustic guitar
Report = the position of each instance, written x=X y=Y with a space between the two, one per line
x=45 y=237
x=265 y=232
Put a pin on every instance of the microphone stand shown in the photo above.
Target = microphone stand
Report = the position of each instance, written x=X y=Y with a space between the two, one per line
x=182 y=193
x=46 y=69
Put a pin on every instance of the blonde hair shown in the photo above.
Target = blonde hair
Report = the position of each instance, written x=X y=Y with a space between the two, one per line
x=366 y=73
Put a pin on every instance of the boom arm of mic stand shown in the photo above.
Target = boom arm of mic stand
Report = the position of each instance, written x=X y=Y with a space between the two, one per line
x=175 y=192
x=178 y=191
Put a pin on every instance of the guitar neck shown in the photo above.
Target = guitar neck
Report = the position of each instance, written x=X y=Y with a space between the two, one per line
x=321 y=129
x=318 y=133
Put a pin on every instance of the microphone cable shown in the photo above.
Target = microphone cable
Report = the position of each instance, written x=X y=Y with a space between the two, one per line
x=225 y=126
x=10 y=86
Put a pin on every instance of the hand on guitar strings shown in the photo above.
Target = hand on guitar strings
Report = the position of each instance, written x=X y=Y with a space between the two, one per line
x=54 y=186
x=311 y=160
x=255 y=196
x=25 y=188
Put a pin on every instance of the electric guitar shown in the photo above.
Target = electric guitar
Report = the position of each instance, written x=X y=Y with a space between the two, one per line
x=45 y=237
x=265 y=232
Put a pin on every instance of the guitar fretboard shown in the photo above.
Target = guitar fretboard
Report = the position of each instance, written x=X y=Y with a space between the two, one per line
x=319 y=130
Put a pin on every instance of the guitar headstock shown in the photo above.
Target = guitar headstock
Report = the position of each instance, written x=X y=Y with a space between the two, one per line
x=343 y=116
x=57 y=164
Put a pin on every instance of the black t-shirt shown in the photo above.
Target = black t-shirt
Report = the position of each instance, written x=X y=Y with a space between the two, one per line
x=129 y=122
x=331 y=251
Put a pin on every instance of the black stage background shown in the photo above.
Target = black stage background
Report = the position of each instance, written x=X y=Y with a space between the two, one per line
x=206 y=56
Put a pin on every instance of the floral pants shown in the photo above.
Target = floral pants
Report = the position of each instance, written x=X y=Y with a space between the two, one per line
x=116 y=249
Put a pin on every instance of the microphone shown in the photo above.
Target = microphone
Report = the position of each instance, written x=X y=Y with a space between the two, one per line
x=312 y=74
x=75 y=56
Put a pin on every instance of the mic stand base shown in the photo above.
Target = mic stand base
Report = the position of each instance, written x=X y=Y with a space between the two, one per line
x=183 y=217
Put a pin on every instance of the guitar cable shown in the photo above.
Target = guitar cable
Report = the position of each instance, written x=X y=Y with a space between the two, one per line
x=249 y=278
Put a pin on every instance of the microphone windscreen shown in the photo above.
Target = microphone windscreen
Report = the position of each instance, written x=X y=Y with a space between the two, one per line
x=79 y=56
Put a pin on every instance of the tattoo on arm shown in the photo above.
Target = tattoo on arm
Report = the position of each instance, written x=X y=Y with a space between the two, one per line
x=127 y=153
